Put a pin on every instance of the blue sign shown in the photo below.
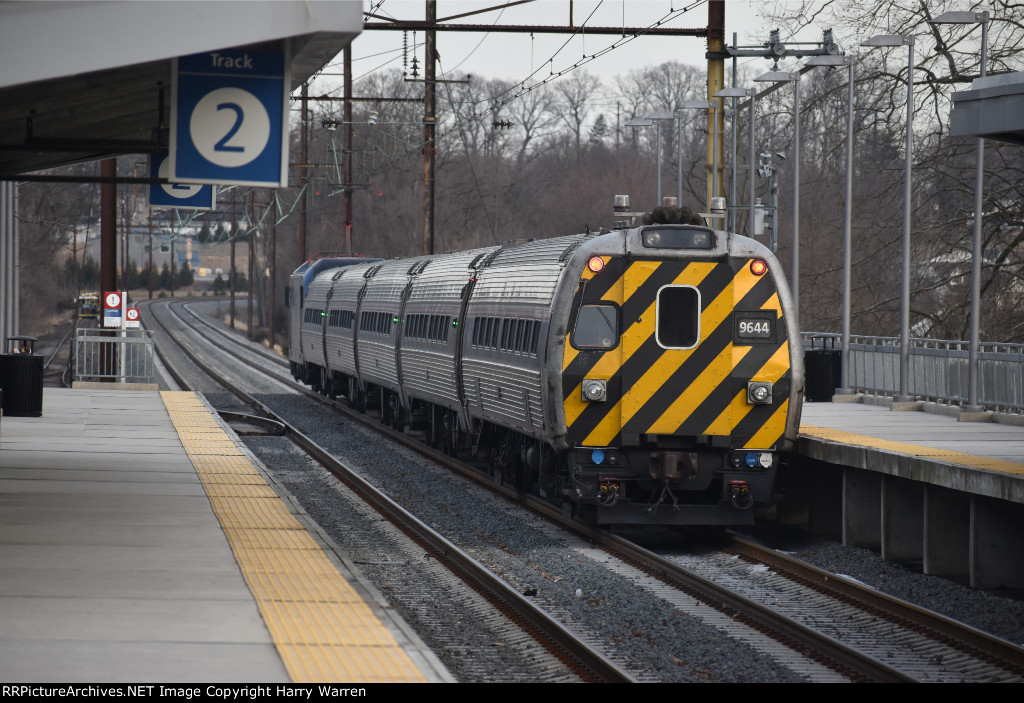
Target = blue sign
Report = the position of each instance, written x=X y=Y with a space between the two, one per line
x=229 y=118
x=177 y=195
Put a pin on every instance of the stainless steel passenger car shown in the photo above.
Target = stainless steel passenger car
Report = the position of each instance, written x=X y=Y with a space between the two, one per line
x=649 y=375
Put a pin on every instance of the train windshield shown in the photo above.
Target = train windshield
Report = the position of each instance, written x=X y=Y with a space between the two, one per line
x=597 y=326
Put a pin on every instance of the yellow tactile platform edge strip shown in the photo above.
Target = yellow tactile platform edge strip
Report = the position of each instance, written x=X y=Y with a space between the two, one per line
x=321 y=627
x=944 y=455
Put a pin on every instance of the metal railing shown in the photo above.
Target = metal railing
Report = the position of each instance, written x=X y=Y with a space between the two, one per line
x=123 y=356
x=938 y=370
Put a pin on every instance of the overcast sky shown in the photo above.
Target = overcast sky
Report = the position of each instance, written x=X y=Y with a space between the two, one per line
x=515 y=56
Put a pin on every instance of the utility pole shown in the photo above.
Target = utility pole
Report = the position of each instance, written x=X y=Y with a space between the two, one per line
x=716 y=82
x=429 y=126
x=108 y=226
x=271 y=263
x=251 y=236
x=108 y=256
x=173 y=263
x=231 y=274
x=304 y=178
x=347 y=146
x=150 y=276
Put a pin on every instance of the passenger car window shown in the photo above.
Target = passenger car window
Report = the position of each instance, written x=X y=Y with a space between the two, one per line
x=597 y=326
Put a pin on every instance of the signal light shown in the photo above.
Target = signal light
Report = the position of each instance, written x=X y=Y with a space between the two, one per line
x=595 y=264
x=758 y=267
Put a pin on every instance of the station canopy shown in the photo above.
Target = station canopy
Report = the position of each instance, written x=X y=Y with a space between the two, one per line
x=84 y=80
x=993 y=108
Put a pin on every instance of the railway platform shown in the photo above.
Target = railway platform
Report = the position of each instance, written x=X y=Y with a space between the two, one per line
x=141 y=542
x=919 y=487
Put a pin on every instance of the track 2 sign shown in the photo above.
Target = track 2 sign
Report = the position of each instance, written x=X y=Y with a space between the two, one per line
x=177 y=195
x=229 y=118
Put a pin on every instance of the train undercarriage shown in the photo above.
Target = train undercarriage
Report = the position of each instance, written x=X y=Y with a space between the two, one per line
x=665 y=480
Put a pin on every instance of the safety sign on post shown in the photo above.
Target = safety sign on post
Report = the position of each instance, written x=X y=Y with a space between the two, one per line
x=229 y=118
x=185 y=196
x=131 y=318
x=112 y=309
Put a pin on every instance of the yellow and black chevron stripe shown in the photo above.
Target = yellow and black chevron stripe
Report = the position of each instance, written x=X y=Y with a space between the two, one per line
x=679 y=392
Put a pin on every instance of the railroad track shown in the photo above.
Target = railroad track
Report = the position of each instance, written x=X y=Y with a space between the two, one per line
x=881 y=639
x=579 y=657
x=925 y=644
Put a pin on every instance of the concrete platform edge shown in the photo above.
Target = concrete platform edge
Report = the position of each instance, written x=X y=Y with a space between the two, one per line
x=974 y=480
x=417 y=650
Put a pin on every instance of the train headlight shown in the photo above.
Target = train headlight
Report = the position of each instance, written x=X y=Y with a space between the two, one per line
x=595 y=390
x=759 y=393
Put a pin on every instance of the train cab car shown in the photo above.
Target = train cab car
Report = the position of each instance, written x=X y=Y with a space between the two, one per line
x=679 y=378
x=648 y=375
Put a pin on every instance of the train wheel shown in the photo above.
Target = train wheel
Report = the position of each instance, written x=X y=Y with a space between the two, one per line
x=494 y=467
x=385 y=408
x=435 y=433
x=398 y=413
x=452 y=436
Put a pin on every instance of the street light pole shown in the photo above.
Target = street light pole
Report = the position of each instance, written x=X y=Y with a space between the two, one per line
x=794 y=78
x=849 y=62
x=652 y=122
x=751 y=93
x=974 y=355
x=713 y=140
x=908 y=41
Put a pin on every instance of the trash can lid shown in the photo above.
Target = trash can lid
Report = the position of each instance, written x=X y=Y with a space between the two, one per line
x=22 y=338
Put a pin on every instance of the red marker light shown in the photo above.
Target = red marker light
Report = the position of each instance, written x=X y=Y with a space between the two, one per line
x=595 y=264
x=758 y=267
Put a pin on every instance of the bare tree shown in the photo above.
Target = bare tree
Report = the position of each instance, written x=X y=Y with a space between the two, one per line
x=946 y=60
x=573 y=96
x=534 y=118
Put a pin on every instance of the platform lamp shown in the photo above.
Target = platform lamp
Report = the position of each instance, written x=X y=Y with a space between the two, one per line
x=848 y=61
x=963 y=17
x=648 y=122
x=794 y=78
x=700 y=105
x=751 y=93
x=659 y=117
x=907 y=41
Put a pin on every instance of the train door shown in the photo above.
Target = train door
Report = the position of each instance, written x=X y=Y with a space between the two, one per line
x=677 y=346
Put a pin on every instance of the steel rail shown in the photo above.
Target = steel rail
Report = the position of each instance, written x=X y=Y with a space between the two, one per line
x=957 y=635
x=815 y=645
x=551 y=634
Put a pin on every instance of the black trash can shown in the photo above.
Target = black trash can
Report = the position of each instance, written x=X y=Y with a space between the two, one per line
x=822 y=368
x=21 y=378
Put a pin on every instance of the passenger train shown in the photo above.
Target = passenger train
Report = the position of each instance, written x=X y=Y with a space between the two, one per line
x=646 y=375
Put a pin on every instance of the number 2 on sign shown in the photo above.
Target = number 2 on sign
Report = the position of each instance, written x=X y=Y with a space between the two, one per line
x=229 y=127
x=222 y=145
